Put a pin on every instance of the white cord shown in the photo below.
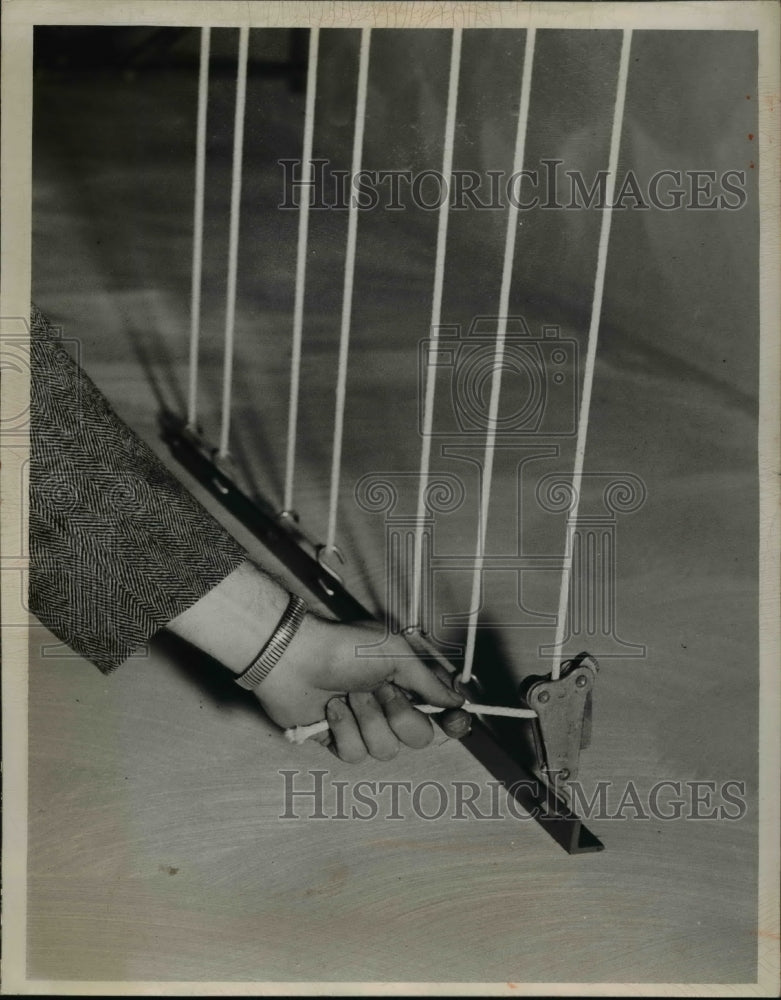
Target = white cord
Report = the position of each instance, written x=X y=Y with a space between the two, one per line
x=300 y=734
x=496 y=375
x=416 y=616
x=233 y=242
x=303 y=233
x=593 y=333
x=200 y=171
x=347 y=294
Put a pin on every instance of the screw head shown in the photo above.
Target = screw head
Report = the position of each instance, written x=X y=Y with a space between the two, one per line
x=543 y=696
x=581 y=681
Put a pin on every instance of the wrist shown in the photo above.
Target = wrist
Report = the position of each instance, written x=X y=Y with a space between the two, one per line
x=273 y=650
x=236 y=618
x=309 y=653
x=292 y=693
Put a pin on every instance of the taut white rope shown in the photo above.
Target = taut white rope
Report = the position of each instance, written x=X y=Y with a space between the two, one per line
x=415 y=610
x=593 y=333
x=300 y=734
x=233 y=241
x=200 y=171
x=303 y=232
x=496 y=375
x=347 y=294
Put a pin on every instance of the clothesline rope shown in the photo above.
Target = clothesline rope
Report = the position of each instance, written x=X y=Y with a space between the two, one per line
x=300 y=734
x=307 y=169
x=197 y=263
x=415 y=616
x=347 y=293
x=593 y=334
x=496 y=374
x=414 y=610
x=233 y=241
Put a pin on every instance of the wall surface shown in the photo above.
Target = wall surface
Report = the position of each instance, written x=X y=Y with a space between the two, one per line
x=156 y=849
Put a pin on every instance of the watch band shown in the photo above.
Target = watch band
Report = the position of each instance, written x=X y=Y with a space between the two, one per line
x=280 y=639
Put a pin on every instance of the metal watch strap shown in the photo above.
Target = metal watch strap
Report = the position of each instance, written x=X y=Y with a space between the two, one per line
x=269 y=656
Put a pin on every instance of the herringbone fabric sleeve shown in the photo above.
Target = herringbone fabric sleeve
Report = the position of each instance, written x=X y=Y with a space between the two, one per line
x=118 y=546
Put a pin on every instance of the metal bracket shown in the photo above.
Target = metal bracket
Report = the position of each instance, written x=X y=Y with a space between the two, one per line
x=563 y=724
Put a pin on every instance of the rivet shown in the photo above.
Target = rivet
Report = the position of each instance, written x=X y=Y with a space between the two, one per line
x=581 y=681
x=543 y=696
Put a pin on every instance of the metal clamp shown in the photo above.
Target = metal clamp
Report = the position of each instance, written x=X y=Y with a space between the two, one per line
x=564 y=708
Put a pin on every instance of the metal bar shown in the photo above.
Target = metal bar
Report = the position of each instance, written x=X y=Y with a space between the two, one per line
x=261 y=519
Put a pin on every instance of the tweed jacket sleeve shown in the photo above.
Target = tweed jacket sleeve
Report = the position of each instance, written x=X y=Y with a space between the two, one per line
x=118 y=546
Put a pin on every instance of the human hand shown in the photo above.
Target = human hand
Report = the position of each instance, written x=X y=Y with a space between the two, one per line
x=320 y=674
x=323 y=675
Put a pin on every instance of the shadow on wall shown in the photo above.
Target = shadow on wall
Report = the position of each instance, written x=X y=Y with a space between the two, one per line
x=681 y=281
